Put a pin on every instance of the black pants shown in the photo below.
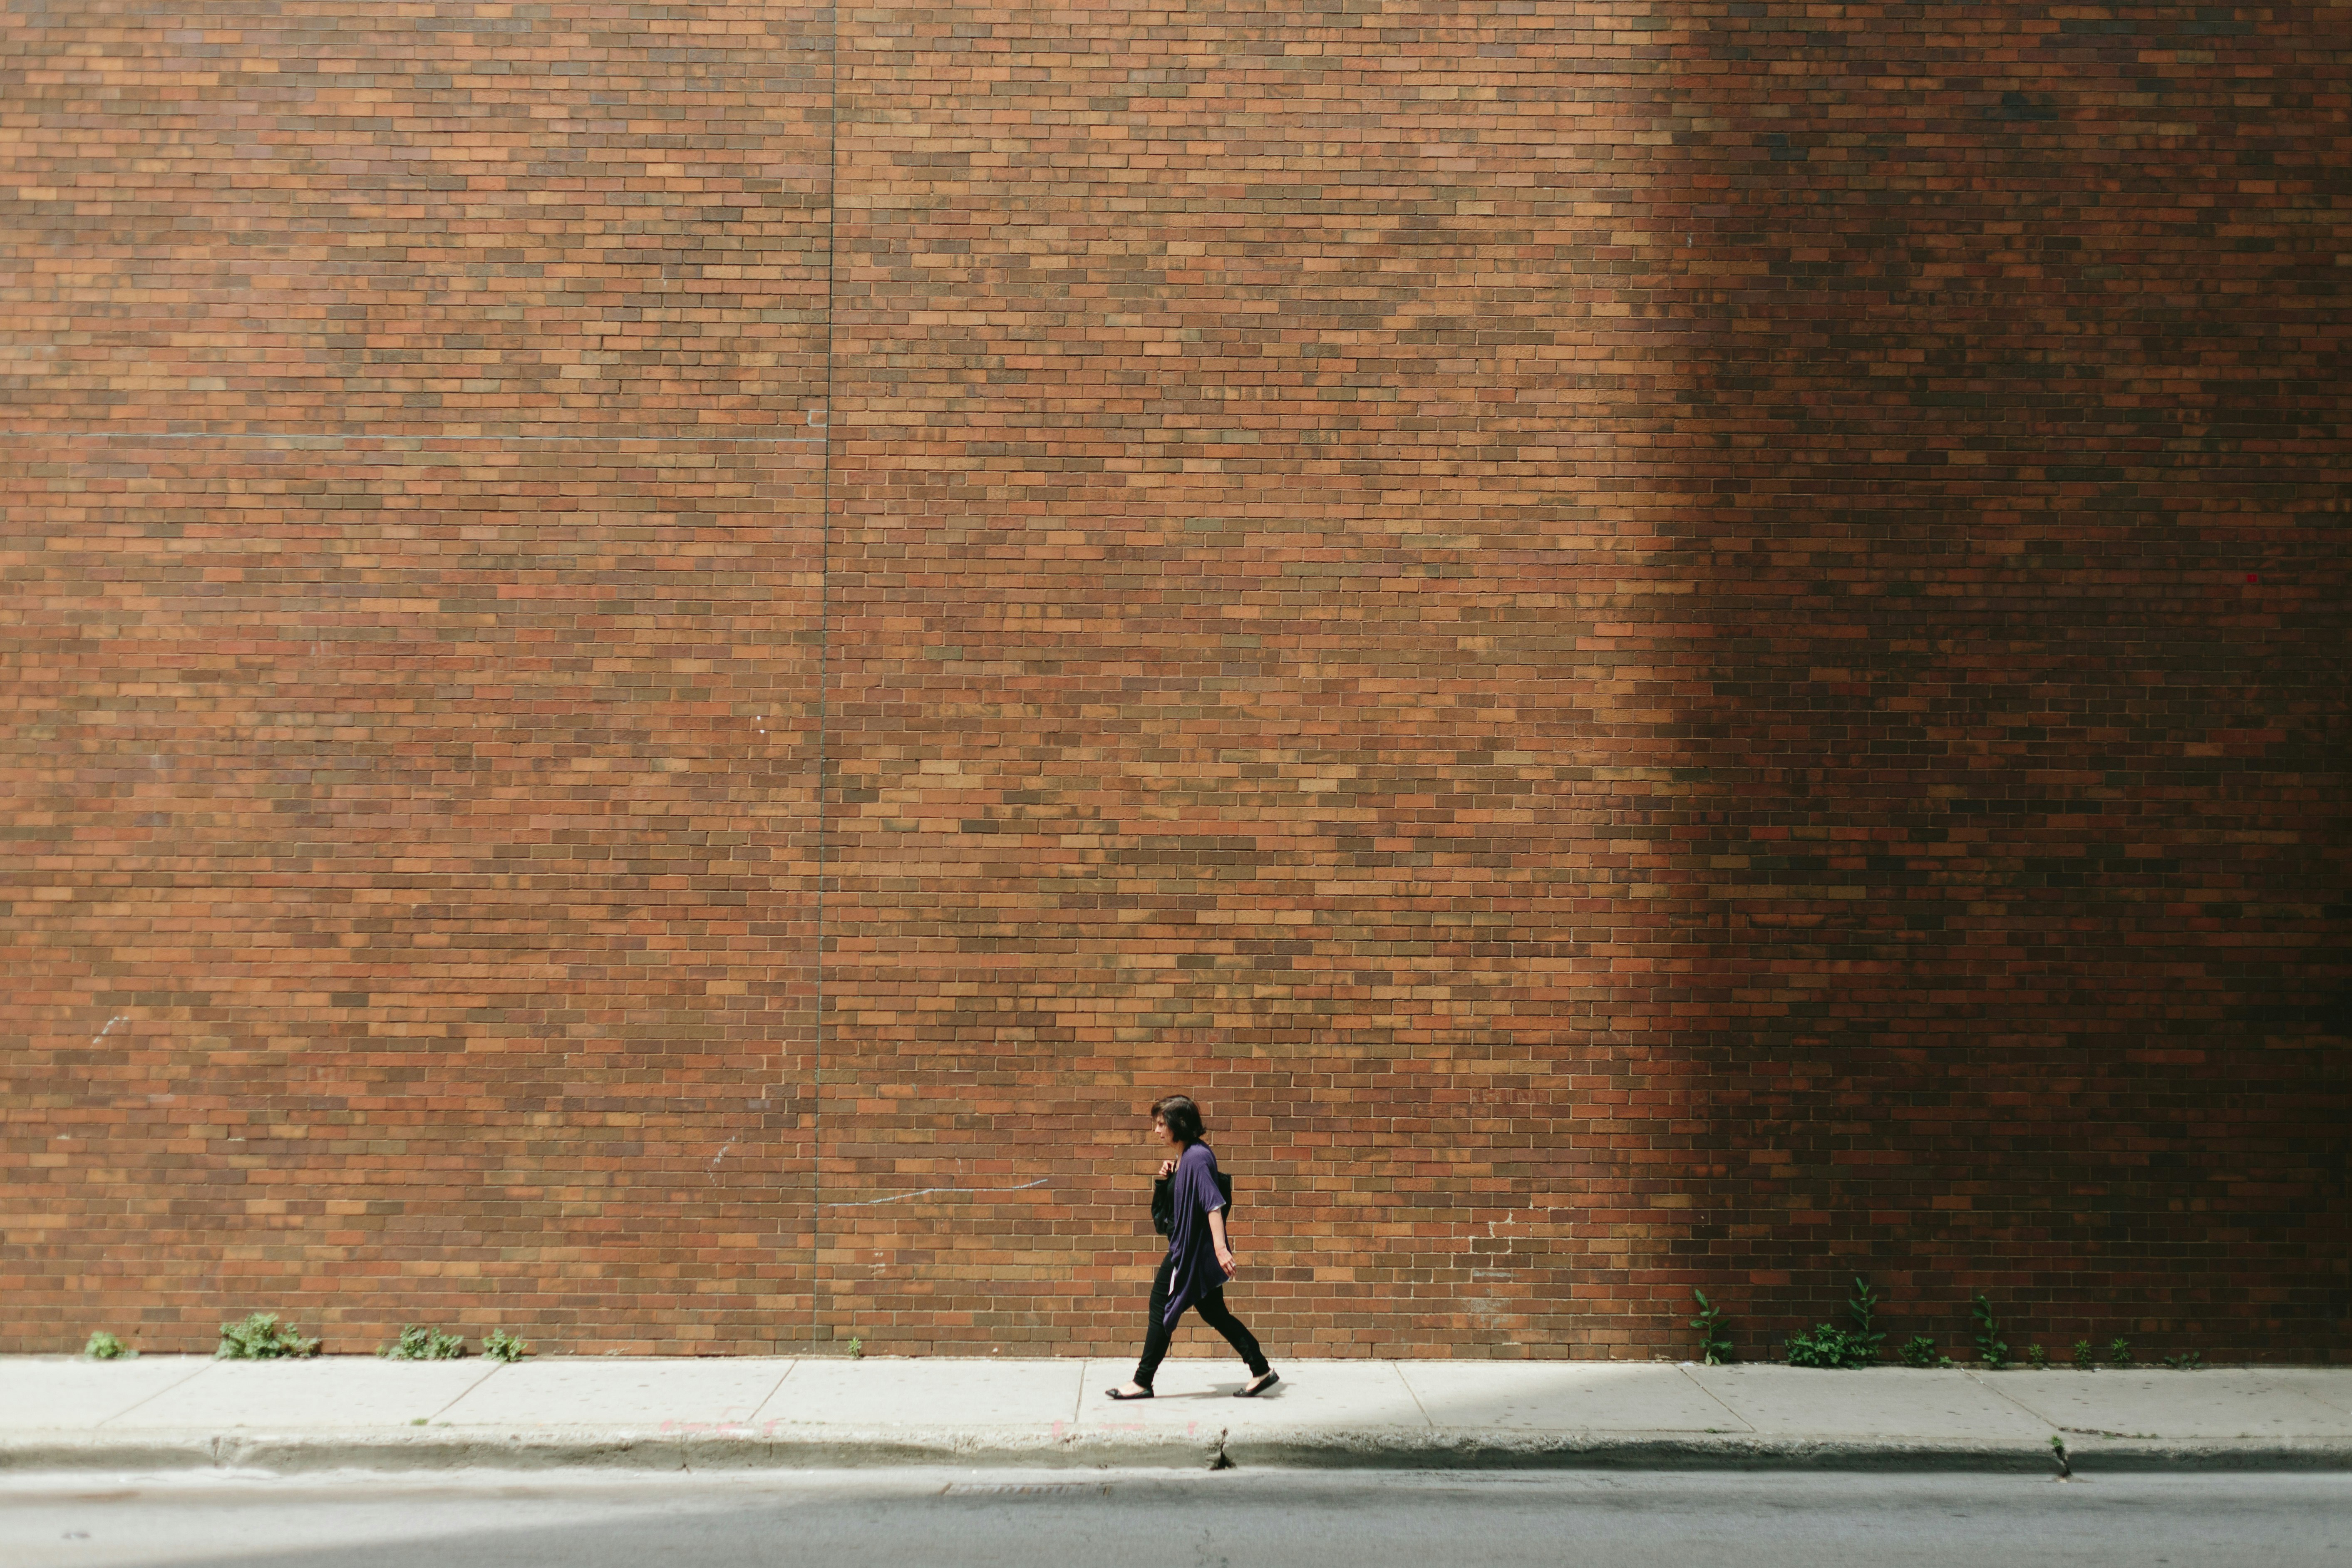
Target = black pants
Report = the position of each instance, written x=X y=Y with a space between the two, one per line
x=1212 y=1307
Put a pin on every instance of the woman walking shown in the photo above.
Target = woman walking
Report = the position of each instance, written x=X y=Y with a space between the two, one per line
x=1200 y=1256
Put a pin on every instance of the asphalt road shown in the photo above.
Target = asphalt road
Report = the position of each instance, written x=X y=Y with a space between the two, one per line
x=1036 y=1519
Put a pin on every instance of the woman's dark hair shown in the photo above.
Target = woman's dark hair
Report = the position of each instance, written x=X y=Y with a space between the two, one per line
x=1183 y=1117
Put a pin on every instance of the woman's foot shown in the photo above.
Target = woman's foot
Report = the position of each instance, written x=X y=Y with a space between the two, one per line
x=1129 y=1391
x=1258 y=1384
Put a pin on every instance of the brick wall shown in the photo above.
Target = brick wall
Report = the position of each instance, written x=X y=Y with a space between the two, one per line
x=1655 y=645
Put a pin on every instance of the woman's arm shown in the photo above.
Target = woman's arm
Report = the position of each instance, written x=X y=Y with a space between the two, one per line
x=1217 y=1234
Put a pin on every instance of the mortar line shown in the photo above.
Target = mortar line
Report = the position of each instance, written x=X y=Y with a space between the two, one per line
x=394 y=442
x=925 y=1192
x=818 y=1301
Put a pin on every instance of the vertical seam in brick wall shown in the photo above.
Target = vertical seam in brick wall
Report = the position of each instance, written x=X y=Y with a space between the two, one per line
x=823 y=668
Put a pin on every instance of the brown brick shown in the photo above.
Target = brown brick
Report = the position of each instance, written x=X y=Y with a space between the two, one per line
x=1655 y=645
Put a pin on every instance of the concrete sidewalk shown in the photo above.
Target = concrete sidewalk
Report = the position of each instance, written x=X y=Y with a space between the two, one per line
x=183 y=1412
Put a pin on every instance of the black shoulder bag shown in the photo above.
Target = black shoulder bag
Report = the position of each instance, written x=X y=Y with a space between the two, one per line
x=1164 y=1201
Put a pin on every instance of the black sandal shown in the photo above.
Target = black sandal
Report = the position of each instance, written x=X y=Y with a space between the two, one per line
x=1257 y=1385
x=1122 y=1393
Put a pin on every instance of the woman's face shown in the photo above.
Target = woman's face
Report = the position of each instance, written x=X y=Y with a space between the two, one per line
x=1160 y=1130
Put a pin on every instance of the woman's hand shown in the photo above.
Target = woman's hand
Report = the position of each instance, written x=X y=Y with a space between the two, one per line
x=1167 y=1168
x=1217 y=1241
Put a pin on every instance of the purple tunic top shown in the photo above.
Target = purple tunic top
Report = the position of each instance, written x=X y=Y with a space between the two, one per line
x=1193 y=1190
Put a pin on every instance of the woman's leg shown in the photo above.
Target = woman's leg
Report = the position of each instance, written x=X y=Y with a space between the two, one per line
x=1213 y=1312
x=1156 y=1337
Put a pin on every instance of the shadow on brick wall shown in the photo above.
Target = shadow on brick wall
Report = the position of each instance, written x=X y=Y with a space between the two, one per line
x=2007 y=466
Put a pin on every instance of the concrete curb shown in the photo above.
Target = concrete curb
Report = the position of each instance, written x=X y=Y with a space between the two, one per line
x=290 y=1453
x=624 y=1449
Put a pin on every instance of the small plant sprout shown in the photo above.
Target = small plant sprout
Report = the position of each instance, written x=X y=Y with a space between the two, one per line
x=1864 y=1305
x=857 y=1348
x=260 y=1337
x=1714 y=1338
x=1989 y=1344
x=1827 y=1345
x=2058 y=1452
x=2119 y=1353
x=2186 y=1361
x=2083 y=1361
x=2037 y=1358
x=103 y=1346
x=417 y=1343
x=1823 y=1345
x=501 y=1346
x=1919 y=1351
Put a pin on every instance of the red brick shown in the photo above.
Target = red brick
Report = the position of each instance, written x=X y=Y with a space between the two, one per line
x=1657 y=646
